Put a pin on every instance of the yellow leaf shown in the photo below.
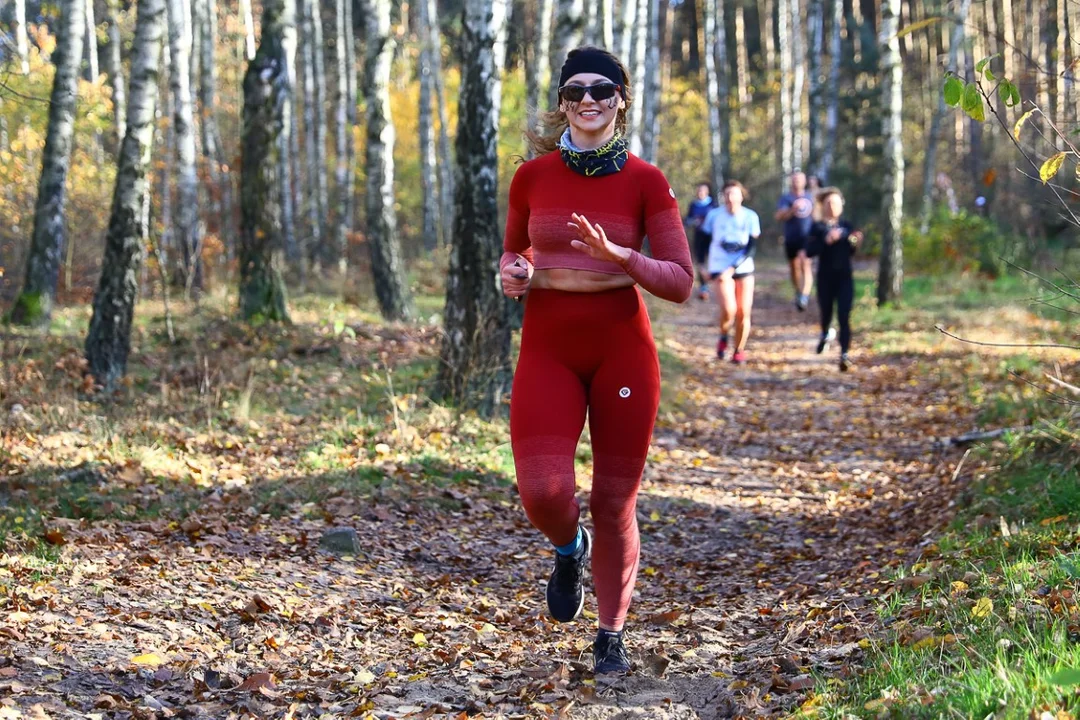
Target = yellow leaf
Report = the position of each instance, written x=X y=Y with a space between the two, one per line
x=147 y=659
x=654 y=516
x=382 y=449
x=419 y=639
x=926 y=642
x=1050 y=168
x=739 y=685
x=917 y=26
x=1020 y=123
x=1051 y=521
x=959 y=586
x=982 y=608
x=650 y=571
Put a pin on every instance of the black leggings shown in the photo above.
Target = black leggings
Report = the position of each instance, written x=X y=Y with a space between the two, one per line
x=839 y=289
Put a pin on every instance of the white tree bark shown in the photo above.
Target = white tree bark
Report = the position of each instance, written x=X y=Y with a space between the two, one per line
x=607 y=24
x=475 y=369
x=956 y=42
x=343 y=138
x=108 y=341
x=387 y=267
x=212 y=147
x=712 y=95
x=798 y=82
x=891 y=270
x=22 y=40
x=650 y=121
x=315 y=128
x=539 y=80
x=567 y=34
x=429 y=186
x=624 y=38
x=91 y=42
x=742 y=63
x=249 y=29
x=188 y=234
x=639 y=43
x=832 y=107
x=816 y=20
x=787 y=90
x=115 y=69
x=35 y=301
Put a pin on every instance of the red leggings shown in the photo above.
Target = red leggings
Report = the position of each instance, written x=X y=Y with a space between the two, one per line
x=586 y=352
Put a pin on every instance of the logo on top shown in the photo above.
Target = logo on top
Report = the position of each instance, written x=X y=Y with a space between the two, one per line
x=803 y=207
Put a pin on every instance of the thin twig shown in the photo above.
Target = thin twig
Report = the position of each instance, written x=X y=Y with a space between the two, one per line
x=1060 y=400
x=1056 y=307
x=1058 y=381
x=1051 y=283
x=1014 y=345
x=959 y=465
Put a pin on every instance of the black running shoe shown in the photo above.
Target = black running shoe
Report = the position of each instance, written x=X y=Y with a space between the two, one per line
x=565 y=595
x=845 y=363
x=609 y=652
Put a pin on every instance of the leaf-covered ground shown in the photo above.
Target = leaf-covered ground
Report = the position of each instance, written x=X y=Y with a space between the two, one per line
x=190 y=582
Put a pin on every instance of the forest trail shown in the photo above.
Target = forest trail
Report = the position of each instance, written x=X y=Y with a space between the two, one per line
x=779 y=495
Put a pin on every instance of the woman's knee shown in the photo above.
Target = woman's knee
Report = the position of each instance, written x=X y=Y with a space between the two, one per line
x=542 y=497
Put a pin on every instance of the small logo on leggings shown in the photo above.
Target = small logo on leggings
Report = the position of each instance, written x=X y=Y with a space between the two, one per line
x=624 y=392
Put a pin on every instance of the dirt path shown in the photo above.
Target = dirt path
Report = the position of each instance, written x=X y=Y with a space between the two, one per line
x=779 y=494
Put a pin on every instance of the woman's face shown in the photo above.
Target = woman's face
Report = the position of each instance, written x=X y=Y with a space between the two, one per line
x=591 y=116
x=834 y=205
x=702 y=192
x=733 y=197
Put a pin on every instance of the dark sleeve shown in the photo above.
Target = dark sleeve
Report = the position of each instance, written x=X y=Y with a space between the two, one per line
x=751 y=247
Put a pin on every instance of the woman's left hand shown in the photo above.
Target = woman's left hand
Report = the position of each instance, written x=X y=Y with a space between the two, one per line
x=592 y=240
x=855 y=237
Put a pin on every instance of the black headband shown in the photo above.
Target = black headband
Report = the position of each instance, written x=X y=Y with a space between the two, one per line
x=590 y=61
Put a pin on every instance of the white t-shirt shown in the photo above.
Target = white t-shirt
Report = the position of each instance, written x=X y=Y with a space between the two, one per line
x=730 y=236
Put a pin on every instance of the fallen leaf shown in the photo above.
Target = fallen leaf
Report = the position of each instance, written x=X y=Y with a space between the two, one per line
x=258 y=681
x=152 y=659
x=982 y=608
x=419 y=639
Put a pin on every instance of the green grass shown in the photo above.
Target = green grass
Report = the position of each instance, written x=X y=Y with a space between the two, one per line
x=997 y=615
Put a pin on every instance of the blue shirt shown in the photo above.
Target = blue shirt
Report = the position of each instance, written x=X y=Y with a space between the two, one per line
x=797 y=228
x=698 y=210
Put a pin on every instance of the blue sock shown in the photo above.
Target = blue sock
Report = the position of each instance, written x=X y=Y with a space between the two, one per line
x=572 y=547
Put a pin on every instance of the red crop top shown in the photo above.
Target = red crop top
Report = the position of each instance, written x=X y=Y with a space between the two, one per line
x=629 y=204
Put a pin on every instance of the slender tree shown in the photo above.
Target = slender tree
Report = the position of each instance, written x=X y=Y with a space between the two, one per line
x=638 y=45
x=956 y=42
x=816 y=19
x=114 y=68
x=891 y=269
x=832 y=106
x=712 y=95
x=22 y=39
x=606 y=35
x=108 y=341
x=314 y=119
x=267 y=116
x=539 y=80
x=798 y=80
x=742 y=60
x=624 y=36
x=343 y=137
x=446 y=166
x=787 y=88
x=475 y=370
x=92 y=70
x=35 y=302
x=249 y=29
x=387 y=267
x=567 y=34
x=212 y=147
x=723 y=83
x=188 y=231
x=650 y=121
x=430 y=220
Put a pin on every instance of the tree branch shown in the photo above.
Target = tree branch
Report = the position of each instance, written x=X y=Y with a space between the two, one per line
x=943 y=331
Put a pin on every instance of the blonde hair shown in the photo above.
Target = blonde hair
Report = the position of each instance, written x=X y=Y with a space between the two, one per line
x=821 y=196
x=554 y=123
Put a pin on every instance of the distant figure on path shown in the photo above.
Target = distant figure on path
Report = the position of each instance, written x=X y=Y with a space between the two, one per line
x=695 y=216
x=834 y=240
x=734 y=230
x=586 y=341
x=796 y=209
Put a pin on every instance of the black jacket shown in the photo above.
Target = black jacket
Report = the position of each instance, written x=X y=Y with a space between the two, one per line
x=835 y=258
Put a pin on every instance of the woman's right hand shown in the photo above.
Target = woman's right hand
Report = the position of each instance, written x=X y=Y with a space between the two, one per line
x=516 y=277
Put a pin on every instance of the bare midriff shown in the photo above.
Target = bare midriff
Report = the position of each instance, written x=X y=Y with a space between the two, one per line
x=570 y=280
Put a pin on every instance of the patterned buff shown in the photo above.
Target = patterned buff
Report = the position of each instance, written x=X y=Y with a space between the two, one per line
x=605 y=160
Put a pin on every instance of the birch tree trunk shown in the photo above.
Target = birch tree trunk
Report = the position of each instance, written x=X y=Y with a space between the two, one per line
x=798 y=82
x=387 y=267
x=650 y=121
x=891 y=270
x=213 y=150
x=766 y=13
x=956 y=42
x=607 y=24
x=475 y=370
x=343 y=138
x=832 y=108
x=187 y=218
x=267 y=115
x=539 y=80
x=22 y=39
x=446 y=167
x=314 y=129
x=249 y=29
x=91 y=42
x=108 y=341
x=1008 y=51
x=787 y=90
x=637 y=71
x=742 y=61
x=1073 y=36
x=816 y=20
x=723 y=83
x=567 y=34
x=624 y=38
x=429 y=186
x=591 y=30
x=35 y=302
x=712 y=96
x=115 y=69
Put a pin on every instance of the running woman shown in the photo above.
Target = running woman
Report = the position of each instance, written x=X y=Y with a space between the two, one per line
x=834 y=240
x=577 y=216
x=734 y=230
x=695 y=216
x=795 y=209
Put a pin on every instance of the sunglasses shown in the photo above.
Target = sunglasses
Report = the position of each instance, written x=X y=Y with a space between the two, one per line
x=599 y=92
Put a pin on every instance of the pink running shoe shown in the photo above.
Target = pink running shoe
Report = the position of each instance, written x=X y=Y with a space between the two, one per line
x=739 y=357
